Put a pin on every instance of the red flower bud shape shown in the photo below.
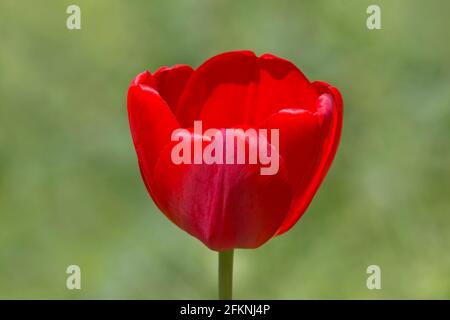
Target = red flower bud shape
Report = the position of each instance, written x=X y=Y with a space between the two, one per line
x=271 y=108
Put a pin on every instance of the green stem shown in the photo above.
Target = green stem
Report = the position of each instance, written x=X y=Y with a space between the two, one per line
x=226 y=274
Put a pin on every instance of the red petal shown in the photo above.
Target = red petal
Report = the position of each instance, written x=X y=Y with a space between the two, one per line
x=308 y=143
x=238 y=88
x=223 y=205
x=151 y=124
x=170 y=83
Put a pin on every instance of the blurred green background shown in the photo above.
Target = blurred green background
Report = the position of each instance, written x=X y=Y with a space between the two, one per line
x=70 y=188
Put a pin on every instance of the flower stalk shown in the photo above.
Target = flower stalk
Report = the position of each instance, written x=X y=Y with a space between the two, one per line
x=226 y=274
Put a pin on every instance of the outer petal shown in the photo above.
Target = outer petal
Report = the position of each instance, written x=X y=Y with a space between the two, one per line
x=308 y=144
x=238 y=88
x=151 y=124
x=223 y=205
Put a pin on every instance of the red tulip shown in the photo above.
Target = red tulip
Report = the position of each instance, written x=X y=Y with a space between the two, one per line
x=233 y=205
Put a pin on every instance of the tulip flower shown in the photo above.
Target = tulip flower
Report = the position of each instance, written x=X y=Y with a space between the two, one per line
x=230 y=205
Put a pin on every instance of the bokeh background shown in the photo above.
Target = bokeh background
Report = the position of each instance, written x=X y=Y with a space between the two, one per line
x=70 y=188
